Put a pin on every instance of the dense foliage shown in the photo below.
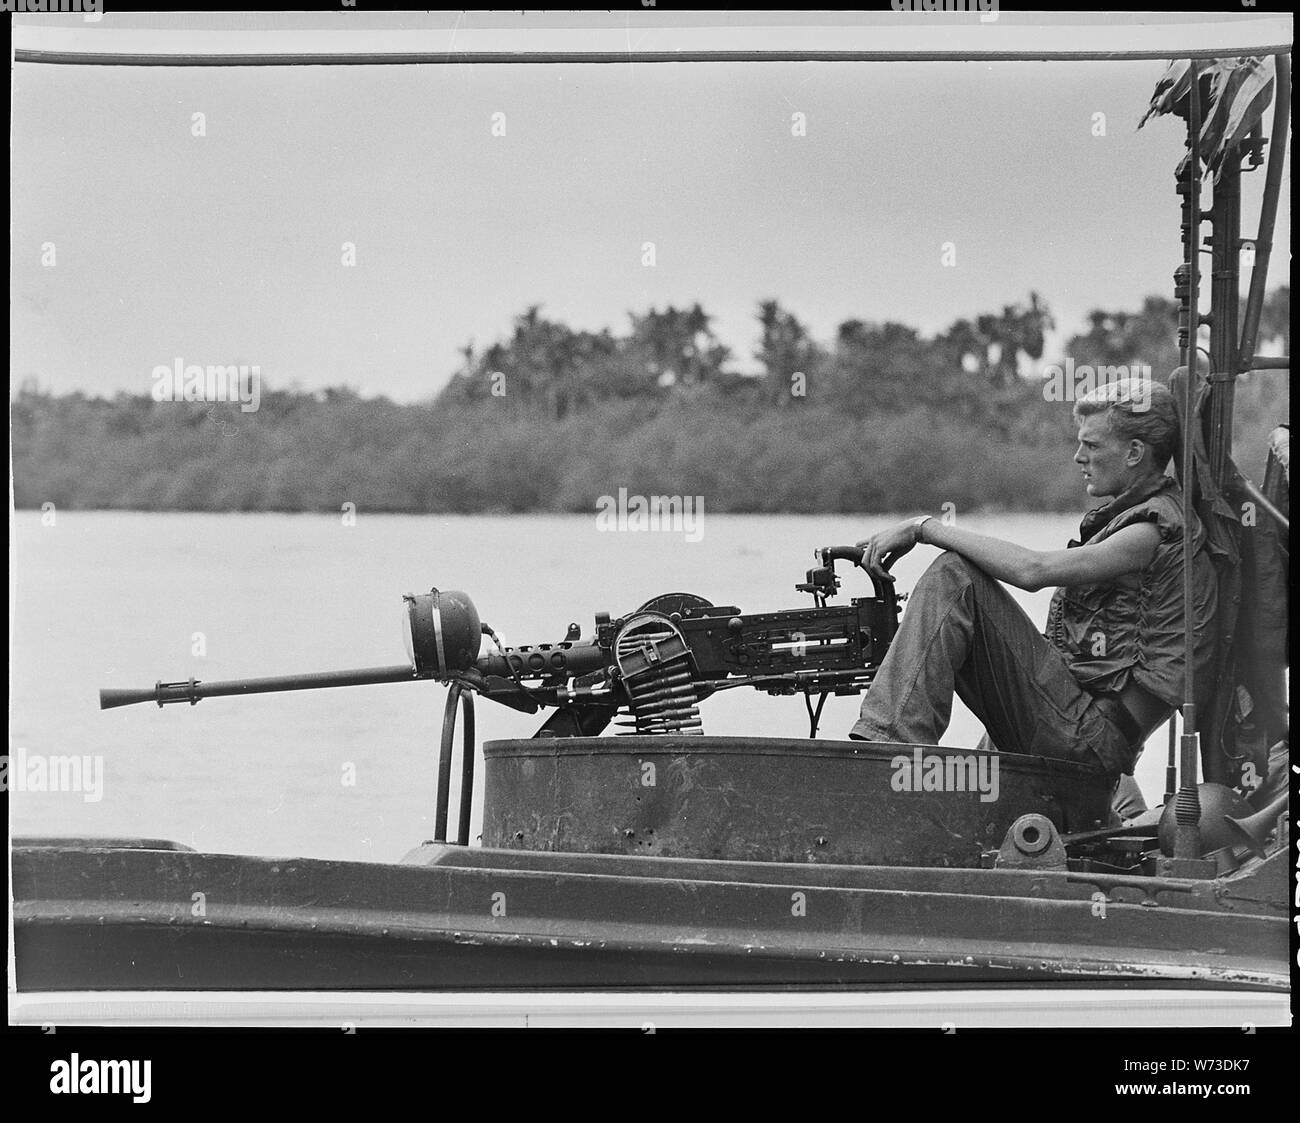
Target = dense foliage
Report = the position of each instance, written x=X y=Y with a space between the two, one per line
x=880 y=418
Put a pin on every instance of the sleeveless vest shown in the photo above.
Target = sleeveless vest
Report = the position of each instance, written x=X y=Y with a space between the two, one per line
x=1131 y=628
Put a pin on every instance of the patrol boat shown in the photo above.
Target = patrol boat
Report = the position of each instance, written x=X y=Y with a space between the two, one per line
x=663 y=858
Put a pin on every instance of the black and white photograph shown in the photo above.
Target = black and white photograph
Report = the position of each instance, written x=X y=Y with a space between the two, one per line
x=651 y=520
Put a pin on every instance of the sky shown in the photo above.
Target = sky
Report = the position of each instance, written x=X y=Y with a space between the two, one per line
x=227 y=248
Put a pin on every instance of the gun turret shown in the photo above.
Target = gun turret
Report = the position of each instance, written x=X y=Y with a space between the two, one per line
x=655 y=664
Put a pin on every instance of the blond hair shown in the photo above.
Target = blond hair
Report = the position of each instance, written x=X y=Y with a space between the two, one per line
x=1137 y=409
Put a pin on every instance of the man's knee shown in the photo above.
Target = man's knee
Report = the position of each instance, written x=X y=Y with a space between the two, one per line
x=944 y=578
x=949 y=568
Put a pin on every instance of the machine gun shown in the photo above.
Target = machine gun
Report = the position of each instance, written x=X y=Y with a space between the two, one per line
x=655 y=664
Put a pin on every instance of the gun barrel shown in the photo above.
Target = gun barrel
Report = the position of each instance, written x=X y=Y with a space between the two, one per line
x=565 y=659
x=192 y=691
x=111 y=699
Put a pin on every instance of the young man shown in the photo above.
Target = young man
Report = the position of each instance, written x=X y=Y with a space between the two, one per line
x=1109 y=668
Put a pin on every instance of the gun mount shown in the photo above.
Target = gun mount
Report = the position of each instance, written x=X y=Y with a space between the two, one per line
x=654 y=665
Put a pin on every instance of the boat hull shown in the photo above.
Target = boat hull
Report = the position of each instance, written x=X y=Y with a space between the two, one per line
x=128 y=918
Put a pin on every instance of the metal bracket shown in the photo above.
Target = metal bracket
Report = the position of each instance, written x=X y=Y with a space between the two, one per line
x=1032 y=842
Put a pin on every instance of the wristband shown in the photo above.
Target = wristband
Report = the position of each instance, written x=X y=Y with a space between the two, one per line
x=916 y=528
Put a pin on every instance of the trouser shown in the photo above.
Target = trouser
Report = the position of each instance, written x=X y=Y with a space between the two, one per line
x=963 y=632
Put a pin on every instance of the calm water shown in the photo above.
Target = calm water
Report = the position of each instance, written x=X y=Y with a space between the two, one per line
x=109 y=599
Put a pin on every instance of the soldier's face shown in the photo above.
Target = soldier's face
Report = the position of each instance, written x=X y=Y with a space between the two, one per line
x=1103 y=458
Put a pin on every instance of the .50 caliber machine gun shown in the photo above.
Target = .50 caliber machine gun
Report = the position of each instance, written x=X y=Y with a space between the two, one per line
x=655 y=664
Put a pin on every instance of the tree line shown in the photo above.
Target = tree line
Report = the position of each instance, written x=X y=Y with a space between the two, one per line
x=879 y=418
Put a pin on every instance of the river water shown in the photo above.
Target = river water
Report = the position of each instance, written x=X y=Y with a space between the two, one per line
x=123 y=599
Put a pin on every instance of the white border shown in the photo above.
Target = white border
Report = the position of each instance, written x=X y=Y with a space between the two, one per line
x=636 y=36
x=953 y=1010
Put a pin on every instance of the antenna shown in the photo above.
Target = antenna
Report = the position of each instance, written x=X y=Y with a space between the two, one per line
x=1187 y=808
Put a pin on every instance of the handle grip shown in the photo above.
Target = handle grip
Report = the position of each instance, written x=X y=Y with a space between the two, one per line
x=829 y=555
x=841 y=553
